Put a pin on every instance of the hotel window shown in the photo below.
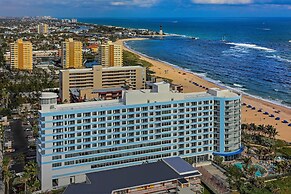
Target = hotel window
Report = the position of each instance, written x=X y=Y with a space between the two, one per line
x=57 y=150
x=88 y=114
x=57 y=157
x=71 y=135
x=55 y=182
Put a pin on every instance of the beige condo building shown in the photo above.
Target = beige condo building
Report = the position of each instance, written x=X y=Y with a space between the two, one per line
x=21 y=55
x=98 y=77
x=110 y=55
x=42 y=29
x=72 y=56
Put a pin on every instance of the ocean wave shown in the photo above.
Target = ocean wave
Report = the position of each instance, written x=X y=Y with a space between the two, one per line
x=279 y=58
x=216 y=82
x=251 y=46
x=264 y=29
x=238 y=85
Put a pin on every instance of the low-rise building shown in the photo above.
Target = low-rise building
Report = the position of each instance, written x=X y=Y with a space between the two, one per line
x=88 y=80
x=170 y=175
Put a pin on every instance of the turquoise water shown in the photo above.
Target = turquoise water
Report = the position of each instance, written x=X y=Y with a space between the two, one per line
x=255 y=58
x=258 y=167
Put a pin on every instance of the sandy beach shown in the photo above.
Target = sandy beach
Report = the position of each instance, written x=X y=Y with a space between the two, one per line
x=248 y=116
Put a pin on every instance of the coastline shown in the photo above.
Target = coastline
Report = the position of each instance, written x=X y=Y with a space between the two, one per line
x=185 y=78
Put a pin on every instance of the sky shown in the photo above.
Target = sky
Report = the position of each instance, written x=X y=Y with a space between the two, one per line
x=146 y=8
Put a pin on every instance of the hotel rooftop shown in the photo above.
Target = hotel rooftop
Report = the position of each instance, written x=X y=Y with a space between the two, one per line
x=160 y=93
x=147 y=176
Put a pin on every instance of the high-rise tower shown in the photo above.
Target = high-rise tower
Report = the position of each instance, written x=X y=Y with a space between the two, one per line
x=72 y=56
x=21 y=55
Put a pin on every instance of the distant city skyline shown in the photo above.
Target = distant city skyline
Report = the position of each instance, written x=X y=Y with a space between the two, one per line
x=147 y=8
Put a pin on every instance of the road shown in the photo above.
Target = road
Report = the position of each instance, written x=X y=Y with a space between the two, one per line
x=19 y=142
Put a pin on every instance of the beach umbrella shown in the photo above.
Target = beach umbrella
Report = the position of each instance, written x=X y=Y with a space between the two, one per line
x=260 y=110
x=272 y=115
x=289 y=125
x=249 y=106
x=284 y=121
x=254 y=108
x=277 y=118
x=244 y=104
x=266 y=113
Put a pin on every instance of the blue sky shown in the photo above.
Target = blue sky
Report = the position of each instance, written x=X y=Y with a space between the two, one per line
x=147 y=8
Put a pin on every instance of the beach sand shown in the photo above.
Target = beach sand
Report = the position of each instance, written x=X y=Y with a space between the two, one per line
x=248 y=116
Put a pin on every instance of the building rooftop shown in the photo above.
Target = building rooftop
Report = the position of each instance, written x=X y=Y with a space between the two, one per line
x=129 y=177
x=179 y=165
x=160 y=93
x=108 y=90
x=99 y=66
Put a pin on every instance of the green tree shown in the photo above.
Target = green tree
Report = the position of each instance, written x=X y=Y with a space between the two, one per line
x=30 y=177
x=7 y=174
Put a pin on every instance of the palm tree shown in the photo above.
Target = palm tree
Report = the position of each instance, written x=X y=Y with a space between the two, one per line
x=253 y=127
x=247 y=162
x=6 y=173
x=31 y=172
x=24 y=179
x=272 y=131
x=261 y=129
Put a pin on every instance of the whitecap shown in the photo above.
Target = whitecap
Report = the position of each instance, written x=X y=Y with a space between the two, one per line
x=238 y=85
x=279 y=58
x=251 y=46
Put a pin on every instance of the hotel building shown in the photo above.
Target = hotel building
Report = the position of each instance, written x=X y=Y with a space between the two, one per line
x=110 y=55
x=72 y=56
x=21 y=55
x=96 y=78
x=142 y=126
x=42 y=29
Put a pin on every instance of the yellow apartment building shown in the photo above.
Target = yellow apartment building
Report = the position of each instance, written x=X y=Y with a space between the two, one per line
x=110 y=55
x=21 y=55
x=72 y=56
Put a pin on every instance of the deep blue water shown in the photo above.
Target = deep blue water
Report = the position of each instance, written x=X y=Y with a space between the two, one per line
x=255 y=58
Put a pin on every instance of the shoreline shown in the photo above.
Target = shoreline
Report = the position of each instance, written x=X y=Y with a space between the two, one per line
x=186 y=77
x=203 y=76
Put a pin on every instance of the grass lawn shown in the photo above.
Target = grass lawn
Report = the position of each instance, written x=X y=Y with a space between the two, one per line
x=286 y=151
x=284 y=185
x=131 y=59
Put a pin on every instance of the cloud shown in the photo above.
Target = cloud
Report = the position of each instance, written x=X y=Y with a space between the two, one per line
x=222 y=1
x=139 y=3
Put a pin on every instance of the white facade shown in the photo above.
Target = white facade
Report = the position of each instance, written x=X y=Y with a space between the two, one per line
x=145 y=125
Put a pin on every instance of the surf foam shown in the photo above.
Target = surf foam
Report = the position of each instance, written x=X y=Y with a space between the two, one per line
x=251 y=46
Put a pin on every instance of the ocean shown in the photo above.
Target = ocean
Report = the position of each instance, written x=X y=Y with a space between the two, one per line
x=250 y=55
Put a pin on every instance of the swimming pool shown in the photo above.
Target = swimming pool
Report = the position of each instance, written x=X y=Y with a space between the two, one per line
x=260 y=170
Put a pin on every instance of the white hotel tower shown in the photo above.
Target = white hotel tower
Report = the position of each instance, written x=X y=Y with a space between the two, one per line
x=143 y=126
